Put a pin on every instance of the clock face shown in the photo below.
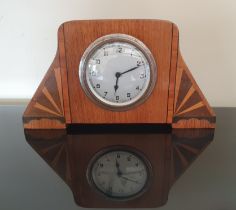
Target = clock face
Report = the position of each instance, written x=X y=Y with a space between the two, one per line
x=117 y=71
x=119 y=174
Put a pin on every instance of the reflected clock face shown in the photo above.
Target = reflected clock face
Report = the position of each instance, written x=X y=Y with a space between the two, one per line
x=117 y=71
x=119 y=174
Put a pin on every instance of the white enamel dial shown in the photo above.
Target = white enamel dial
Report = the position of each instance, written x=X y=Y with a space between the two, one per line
x=119 y=174
x=117 y=71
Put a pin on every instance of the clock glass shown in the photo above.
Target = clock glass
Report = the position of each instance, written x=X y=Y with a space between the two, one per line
x=119 y=174
x=117 y=71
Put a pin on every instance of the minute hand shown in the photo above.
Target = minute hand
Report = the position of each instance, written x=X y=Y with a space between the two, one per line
x=126 y=178
x=130 y=70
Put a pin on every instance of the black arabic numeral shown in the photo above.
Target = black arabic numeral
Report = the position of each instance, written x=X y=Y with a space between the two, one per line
x=105 y=53
x=93 y=73
x=139 y=63
x=98 y=86
x=119 y=50
x=128 y=95
x=142 y=76
x=117 y=98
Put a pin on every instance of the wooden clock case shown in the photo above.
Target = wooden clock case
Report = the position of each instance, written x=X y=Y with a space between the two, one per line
x=176 y=99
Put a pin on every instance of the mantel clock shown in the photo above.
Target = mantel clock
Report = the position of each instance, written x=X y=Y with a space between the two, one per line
x=121 y=73
x=118 y=72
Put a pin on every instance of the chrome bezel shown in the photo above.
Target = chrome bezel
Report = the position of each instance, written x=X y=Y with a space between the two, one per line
x=111 y=38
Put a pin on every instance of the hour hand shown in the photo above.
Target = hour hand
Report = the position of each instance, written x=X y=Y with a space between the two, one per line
x=116 y=87
x=117 y=164
x=118 y=74
x=119 y=173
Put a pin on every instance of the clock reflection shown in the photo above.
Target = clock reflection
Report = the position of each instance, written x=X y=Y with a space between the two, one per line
x=168 y=151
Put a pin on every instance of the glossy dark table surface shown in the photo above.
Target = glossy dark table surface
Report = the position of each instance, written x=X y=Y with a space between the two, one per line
x=27 y=182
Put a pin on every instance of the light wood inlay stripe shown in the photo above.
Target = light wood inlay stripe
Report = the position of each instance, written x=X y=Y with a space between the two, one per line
x=173 y=68
x=58 y=155
x=59 y=86
x=182 y=158
x=196 y=106
x=68 y=172
x=190 y=149
x=50 y=98
x=45 y=109
x=177 y=86
x=64 y=78
x=46 y=150
x=187 y=96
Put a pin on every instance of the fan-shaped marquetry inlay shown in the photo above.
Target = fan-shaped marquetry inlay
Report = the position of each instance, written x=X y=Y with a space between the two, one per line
x=185 y=149
x=46 y=107
x=55 y=153
x=50 y=98
x=191 y=110
x=188 y=102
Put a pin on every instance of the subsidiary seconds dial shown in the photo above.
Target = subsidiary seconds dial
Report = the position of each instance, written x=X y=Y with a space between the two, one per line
x=117 y=71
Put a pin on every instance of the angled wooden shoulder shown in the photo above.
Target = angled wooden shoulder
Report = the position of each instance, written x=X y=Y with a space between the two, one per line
x=188 y=108
x=47 y=108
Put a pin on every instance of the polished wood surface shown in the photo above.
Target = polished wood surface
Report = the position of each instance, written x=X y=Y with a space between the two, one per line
x=156 y=35
x=173 y=67
x=65 y=89
x=191 y=109
x=176 y=98
x=45 y=109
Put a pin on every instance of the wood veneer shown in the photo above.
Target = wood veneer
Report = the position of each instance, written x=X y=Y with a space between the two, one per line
x=176 y=98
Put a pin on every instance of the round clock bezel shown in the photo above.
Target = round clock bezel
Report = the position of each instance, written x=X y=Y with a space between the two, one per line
x=121 y=148
x=123 y=38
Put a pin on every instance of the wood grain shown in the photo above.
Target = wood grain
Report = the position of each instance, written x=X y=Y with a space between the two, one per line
x=193 y=123
x=64 y=77
x=187 y=96
x=186 y=146
x=44 y=124
x=156 y=35
x=191 y=109
x=45 y=110
x=173 y=67
x=176 y=98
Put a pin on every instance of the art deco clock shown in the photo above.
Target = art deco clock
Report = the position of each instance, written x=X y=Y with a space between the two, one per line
x=118 y=72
